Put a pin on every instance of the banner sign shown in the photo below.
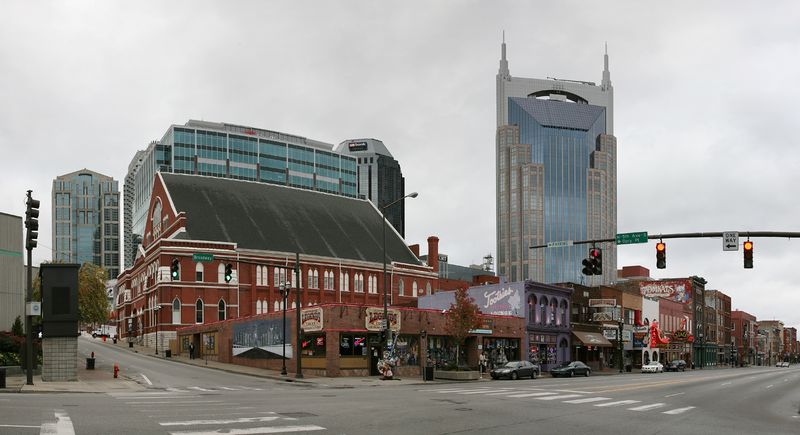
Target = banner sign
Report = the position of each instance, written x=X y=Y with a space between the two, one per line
x=605 y=316
x=311 y=319
x=602 y=303
x=374 y=319
x=675 y=290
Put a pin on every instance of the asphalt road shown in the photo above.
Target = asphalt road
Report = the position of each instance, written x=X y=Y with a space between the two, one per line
x=191 y=400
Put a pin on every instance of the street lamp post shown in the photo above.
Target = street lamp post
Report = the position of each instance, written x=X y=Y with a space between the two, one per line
x=386 y=329
x=157 y=308
x=284 y=289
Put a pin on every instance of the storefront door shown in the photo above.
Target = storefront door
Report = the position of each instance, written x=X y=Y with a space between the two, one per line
x=374 y=357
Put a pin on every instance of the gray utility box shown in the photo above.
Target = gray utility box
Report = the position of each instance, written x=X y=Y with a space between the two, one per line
x=59 y=299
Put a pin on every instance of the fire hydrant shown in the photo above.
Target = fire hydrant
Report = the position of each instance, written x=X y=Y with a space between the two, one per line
x=116 y=370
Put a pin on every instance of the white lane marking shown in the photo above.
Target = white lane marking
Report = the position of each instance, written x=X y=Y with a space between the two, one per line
x=143 y=394
x=17 y=425
x=199 y=389
x=588 y=400
x=250 y=388
x=621 y=402
x=770 y=386
x=145 y=379
x=450 y=390
x=519 y=396
x=563 y=396
x=174 y=403
x=673 y=395
x=466 y=393
x=176 y=390
x=574 y=391
x=678 y=411
x=62 y=426
x=647 y=407
x=253 y=430
x=500 y=393
x=219 y=404
x=726 y=383
x=227 y=421
x=229 y=388
x=482 y=390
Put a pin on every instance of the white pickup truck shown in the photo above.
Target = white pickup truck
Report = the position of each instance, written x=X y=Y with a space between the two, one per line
x=105 y=331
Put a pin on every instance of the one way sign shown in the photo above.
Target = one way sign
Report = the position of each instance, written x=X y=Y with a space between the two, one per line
x=730 y=241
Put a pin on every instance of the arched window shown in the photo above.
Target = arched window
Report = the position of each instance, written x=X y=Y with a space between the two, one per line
x=564 y=311
x=532 y=309
x=221 y=309
x=155 y=221
x=220 y=273
x=198 y=311
x=543 y=310
x=276 y=306
x=258 y=307
x=553 y=310
x=310 y=278
x=414 y=288
x=401 y=288
x=198 y=272
x=258 y=276
x=316 y=278
x=176 y=312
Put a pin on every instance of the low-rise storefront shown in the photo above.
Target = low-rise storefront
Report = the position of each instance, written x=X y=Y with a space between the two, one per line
x=345 y=340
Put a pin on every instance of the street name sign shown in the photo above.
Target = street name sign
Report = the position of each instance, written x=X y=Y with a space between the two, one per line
x=630 y=238
x=202 y=257
x=561 y=244
x=730 y=241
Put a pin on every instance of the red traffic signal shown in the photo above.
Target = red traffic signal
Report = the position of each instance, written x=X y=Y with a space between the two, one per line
x=661 y=255
x=748 y=254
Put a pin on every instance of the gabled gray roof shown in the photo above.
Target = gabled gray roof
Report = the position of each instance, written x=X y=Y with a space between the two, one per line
x=560 y=114
x=278 y=218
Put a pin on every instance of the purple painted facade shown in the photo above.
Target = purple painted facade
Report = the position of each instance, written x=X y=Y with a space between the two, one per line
x=504 y=299
x=548 y=330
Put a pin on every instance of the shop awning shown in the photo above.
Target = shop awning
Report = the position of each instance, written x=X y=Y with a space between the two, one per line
x=592 y=339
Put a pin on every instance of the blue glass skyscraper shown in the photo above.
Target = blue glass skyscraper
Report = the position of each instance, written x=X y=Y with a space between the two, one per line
x=556 y=176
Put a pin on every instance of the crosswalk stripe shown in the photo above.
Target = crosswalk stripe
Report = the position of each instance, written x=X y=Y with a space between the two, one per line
x=559 y=397
x=621 y=402
x=225 y=421
x=199 y=389
x=253 y=430
x=172 y=402
x=476 y=392
x=500 y=393
x=678 y=411
x=519 y=396
x=647 y=407
x=482 y=390
x=588 y=400
x=250 y=388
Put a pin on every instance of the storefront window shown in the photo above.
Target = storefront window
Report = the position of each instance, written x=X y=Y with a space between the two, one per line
x=407 y=350
x=353 y=345
x=442 y=352
x=313 y=345
x=501 y=350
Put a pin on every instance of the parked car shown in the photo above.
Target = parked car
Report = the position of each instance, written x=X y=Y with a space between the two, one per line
x=676 y=365
x=571 y=369
x=782 y=364
x=653 y=367
x=516 y=370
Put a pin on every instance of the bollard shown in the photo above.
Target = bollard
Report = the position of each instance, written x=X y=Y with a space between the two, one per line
x=116 y=370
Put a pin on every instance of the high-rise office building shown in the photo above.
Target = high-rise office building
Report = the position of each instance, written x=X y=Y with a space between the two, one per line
x=86 y=220
x=233 y=151
x=380 y=179
x=556 y=176
x=12 y=272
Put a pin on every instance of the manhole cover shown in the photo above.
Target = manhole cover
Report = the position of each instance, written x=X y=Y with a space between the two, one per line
x=297 y=414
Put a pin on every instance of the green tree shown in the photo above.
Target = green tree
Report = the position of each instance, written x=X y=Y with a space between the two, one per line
x=16 y=328
x=462 y=317
x=92 y=300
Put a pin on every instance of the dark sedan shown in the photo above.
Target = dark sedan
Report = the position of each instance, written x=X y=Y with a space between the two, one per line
x=571 y=369
x=516 y=370
x=675 y=365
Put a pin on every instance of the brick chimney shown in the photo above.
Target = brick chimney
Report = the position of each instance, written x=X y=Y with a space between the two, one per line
x=415 y=249
x=433 y=253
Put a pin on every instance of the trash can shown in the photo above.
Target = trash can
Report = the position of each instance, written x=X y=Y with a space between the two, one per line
x=2 y=377
x=427 y=374
x=168 y=353
x=628 y=368
x=89 y=363
x=130 y=344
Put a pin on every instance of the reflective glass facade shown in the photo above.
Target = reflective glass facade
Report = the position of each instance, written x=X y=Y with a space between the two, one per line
x=231 y=151
x=86 y=220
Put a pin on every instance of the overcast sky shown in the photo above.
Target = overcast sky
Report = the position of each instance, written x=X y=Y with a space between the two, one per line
x=705 y=99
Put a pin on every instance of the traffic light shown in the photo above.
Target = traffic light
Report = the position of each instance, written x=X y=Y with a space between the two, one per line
x=175 y=269
x=594 y=264
x=661 y=255
x=31 y=222
x=748 y=255
x=596 y=254
x=228 y=272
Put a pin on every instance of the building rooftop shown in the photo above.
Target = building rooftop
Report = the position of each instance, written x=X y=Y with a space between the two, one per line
x=277 y=218
x=560 y=114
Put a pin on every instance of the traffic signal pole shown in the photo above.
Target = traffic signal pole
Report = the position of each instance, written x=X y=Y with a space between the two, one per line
x=777 y=234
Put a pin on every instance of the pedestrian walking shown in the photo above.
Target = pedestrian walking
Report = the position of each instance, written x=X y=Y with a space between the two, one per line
x=191 y=350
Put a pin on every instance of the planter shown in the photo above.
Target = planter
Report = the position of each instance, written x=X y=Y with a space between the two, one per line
x=471 y=375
